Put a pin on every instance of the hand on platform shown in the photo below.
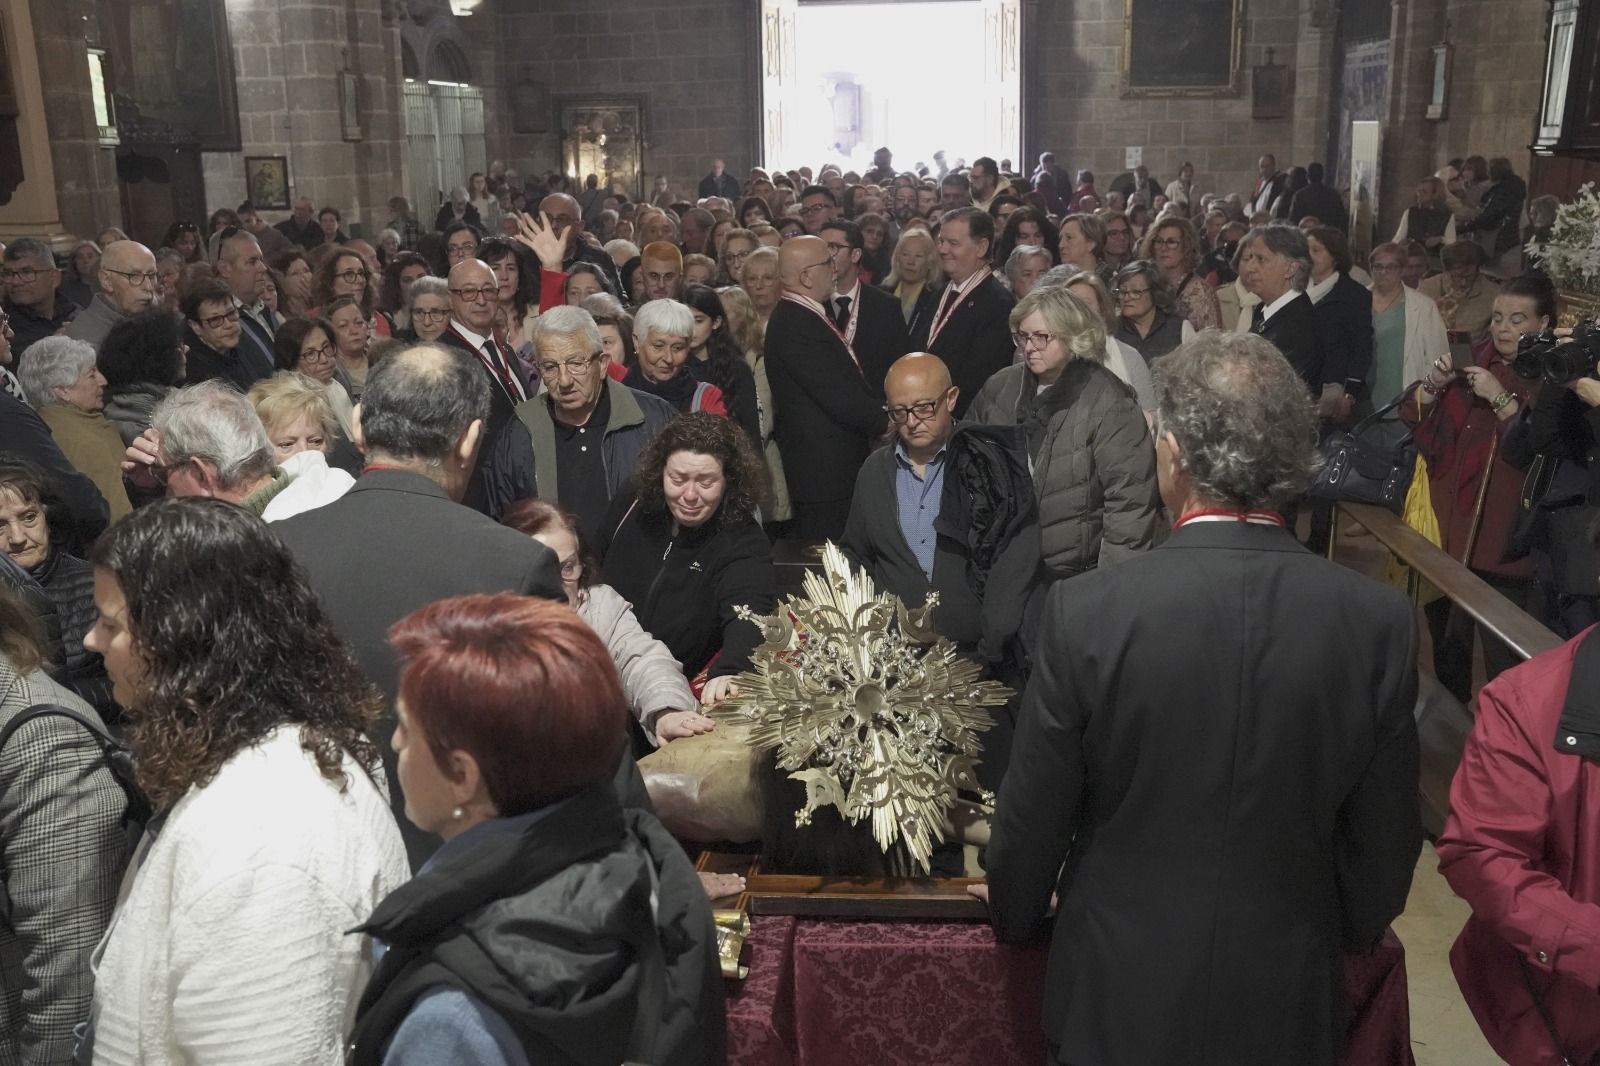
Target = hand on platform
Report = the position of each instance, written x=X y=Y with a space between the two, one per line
x=717 y=690
x=540 y=237
x=721 y=886
x=142 y=456
x=979 y=890
x=670 y=725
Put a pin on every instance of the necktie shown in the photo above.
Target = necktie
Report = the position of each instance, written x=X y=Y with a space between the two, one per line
x=841 y=314
x=1258 y=318
x=502 y=369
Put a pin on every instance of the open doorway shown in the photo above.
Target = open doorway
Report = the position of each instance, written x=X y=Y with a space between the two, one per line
x=844 y=77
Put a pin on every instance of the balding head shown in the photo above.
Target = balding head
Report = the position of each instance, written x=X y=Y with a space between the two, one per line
x=565 y=215
x=423 y=408
x=921 y=402
x=128 y=276
x=806 y=267
x=474 y=295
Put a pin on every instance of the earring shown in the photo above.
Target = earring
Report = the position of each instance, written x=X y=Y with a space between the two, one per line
x=458 y=814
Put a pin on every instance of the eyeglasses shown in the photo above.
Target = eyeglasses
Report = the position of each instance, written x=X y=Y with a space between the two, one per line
x=1030 y=341
x=550 y=370
x=811 y=209
x=25 y=276
x=427 y=315
x=322 y=354
x=1167 y=242
x=218 y=321
x=350 y=277
x=1387 y=268
x=835 y=247
x=922 y=409
x=561 y=222
x=472 y=296
x=461 y=249
x=1129 y=294
x=736 y=257
x=163 y=472
x=137 y=279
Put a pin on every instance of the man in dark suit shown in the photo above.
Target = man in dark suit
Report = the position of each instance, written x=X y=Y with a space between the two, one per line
x=825 y=415
x=1218 y=743
x=1268 y=186
x=970 y=329
x=399 y=539
x=1275 y=265
x=870 y=319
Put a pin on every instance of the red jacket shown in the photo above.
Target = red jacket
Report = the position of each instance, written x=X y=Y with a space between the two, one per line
x=1454 y=440
x=1522 y=847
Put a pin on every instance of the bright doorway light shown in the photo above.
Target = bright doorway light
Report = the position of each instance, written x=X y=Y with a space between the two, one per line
x=908 y=76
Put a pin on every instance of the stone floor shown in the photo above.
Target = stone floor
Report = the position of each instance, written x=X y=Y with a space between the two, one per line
x=1443 y=1032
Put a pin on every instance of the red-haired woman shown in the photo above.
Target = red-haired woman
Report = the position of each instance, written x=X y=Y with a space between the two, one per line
x=511 y=720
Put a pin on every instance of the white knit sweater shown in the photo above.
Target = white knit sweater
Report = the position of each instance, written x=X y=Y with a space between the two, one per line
x=228 y=944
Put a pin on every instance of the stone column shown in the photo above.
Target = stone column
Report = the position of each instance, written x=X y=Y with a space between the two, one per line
x=85 y=174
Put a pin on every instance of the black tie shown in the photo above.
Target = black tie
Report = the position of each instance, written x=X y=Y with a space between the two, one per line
x=841 y=314
x=1258 y=318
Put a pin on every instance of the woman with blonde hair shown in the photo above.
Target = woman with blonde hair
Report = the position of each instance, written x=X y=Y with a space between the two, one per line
x=301 y=424
x=1174 y=247
x=913 y=271
x=761 y=282
x=749 y=334
x=1089 y=448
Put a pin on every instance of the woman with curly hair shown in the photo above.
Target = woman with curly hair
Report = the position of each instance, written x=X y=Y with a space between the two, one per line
x=1174 y=247
x=345 y=273
x=142 y=359
x=519 y=294
x=1027 y=226
x=685 y=547
x=394 y=290
x=248 y=721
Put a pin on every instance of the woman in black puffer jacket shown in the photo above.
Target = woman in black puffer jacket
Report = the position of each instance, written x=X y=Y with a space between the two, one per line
x=25 y=510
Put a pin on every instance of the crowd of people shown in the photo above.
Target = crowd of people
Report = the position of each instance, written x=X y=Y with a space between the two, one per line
x=314 y=521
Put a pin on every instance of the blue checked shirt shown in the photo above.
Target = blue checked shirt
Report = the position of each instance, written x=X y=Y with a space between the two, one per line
x=917 y=501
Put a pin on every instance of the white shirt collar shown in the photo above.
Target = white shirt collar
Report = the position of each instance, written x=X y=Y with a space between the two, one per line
x=1318 y=289
x=472 y=338
x=854 y=293
x=1279 y=304
x=961 y=289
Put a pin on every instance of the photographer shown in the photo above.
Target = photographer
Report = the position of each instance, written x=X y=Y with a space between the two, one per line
x=1555 y=445
x=1476 y=492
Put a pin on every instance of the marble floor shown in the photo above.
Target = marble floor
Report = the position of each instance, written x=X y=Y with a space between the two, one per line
x=1443 y=1032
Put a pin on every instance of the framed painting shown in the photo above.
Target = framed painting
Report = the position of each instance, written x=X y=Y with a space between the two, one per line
x=267 y=181
x=169 y=64
x=1191 y=49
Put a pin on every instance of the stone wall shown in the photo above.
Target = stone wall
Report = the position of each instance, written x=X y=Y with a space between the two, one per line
x=1083 y=118
x=289 y=56
x=85 y=173
x=692 y=63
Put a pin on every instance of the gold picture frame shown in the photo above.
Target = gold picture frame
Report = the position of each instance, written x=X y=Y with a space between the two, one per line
x=1194 y=49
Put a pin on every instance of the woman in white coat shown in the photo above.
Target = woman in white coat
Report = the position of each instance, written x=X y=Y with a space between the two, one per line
x=1408 y=332
x=272 y=834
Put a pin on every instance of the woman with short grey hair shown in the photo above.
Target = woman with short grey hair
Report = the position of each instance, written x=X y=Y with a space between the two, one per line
x=1089 y=448
x=663 y=341
x=1026 y=264
x=428 y=307
x=67 y=389
x=1147 y=316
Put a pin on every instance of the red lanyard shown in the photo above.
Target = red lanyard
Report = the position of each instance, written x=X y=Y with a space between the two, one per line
x=812 y=307
x=1260 y=518
x=943 y=315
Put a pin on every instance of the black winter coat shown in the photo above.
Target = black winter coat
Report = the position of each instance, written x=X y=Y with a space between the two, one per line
x=69 y=582
x=685 y=584
x=1344 y=322
x=562 y=922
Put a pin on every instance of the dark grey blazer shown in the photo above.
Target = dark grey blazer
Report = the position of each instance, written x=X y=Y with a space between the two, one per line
x=395 y=542
x=872 y=539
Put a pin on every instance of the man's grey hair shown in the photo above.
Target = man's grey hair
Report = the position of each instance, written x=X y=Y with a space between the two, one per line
x=567 y=321
x=459 y=195
x=603 y=303
x=1020 y=254
x=419 y=400
x=613 y=247
x=664 y=316
x=52 y=363
x=29 y=248
x=1242 y=417
x=427 y=285
x=214 y=422
x=1287 y=241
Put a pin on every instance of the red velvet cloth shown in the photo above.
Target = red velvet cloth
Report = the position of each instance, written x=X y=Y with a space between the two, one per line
x=834 y=992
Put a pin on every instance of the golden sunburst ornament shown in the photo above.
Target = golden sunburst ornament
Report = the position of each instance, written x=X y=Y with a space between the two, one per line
x=871 y=710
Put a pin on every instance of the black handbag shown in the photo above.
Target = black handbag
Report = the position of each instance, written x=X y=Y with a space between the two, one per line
x=1357 y=470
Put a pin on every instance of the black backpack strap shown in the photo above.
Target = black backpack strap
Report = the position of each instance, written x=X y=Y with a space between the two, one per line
x=44 y=710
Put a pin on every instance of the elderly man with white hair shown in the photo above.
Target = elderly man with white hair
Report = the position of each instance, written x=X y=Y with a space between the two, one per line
x=577 y=441
x=206 y=440
x=65 y=387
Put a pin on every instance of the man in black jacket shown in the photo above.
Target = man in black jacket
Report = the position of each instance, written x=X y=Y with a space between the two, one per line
x=31 y=284
x=399 y=539
x=869 y=317
x=825 y=415
x=1218 y=744
x=970 y=329
x=1275 y=265
x=1319 y=201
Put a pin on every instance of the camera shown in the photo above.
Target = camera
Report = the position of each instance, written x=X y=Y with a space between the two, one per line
x=1560 y=361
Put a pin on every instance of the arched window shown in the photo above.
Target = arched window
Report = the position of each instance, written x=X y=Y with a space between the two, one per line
x=449 y=63
x=409 y=68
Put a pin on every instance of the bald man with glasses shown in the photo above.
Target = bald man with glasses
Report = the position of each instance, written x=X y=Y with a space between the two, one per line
x=128 y=285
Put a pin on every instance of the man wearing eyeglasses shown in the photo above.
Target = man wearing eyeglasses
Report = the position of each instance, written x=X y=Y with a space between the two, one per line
x=869 y=317
x=128 y=285
x=825 y=415
x=564 y=214
x=32 y=287
x=818 y=207
x=213 y=332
